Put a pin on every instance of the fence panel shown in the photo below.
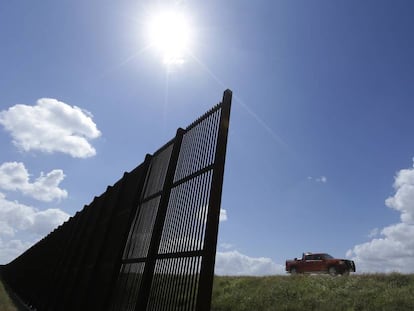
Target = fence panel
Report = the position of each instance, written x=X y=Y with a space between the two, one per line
x=168 y=262
x=147 y=243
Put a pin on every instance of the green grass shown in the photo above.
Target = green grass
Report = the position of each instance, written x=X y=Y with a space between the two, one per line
x=321 y=292
x=5 y=302
x=356 y=292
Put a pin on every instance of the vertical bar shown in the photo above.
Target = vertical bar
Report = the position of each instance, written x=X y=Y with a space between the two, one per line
x=210 y=240
x=148 y=274
x=124 y=235
x=116 y=265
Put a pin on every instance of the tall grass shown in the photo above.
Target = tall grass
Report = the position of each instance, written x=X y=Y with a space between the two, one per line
x=308 y=292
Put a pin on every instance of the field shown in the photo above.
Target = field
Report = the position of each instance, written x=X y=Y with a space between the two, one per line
x=5 y=302
x=322 y=292
x=356 y=292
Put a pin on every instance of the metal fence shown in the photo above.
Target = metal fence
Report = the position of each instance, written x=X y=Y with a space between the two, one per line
x=147 y=243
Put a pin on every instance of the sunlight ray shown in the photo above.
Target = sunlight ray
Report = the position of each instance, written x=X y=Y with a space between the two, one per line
x=123 y=62
x=166 y=96
x=249 y=110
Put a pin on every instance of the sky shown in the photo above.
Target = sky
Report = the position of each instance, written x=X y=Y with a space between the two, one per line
x=320 y=150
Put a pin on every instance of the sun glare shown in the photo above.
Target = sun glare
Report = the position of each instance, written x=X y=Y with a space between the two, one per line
x=170 y=33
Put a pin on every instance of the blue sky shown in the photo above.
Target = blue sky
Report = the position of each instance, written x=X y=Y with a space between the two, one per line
x=320 y=151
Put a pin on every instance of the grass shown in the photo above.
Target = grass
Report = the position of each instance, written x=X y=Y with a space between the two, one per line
x=6 y=303
x=321 y=292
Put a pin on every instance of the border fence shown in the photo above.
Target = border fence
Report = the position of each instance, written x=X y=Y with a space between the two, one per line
x=147 y=243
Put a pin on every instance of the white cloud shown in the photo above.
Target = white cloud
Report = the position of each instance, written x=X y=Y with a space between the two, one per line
x=23 y=220
x=16 y=217
x=11 y=249
x=51 y=126
x=6 y=229
x=373 y=233
x=47 y=220
x=394 y=249
x=321 y=179
x=226 y=246
x=223 y=215
x=235 y=263
x=403 y=200
x=14 y=176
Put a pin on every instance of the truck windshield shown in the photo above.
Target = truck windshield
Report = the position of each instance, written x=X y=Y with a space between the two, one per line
x=327 y=256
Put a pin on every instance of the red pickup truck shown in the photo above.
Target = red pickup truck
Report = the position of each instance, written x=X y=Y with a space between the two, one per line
x=319 y=263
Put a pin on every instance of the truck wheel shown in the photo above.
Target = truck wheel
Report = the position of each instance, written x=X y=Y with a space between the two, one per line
x=346 y=272
x=332 y=271
x=293 y=271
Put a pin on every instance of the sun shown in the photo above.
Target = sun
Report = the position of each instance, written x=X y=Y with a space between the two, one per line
x=169 y=32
